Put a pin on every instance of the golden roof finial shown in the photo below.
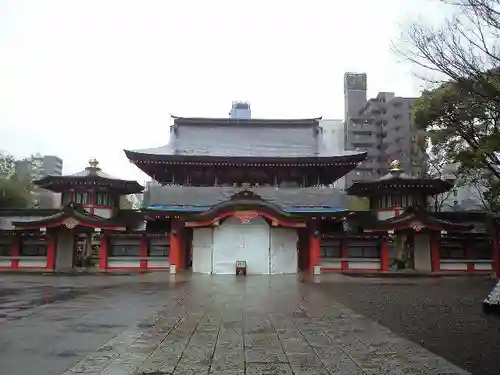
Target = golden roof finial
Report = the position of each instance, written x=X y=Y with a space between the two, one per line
x=93 y=163
x=395 y=166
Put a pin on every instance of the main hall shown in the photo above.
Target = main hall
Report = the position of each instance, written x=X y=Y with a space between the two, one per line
x=257 y=192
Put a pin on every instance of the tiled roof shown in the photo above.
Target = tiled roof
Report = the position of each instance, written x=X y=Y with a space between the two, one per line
x=244 y=138
x=210 y=196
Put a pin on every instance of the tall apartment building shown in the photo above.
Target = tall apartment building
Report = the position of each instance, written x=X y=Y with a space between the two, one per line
x=381 y=126
x=38 y=166
x=240 y=110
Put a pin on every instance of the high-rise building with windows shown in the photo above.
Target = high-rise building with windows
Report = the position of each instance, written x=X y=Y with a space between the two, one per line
x=381 y=126
x=240 y=110
x=38 y=166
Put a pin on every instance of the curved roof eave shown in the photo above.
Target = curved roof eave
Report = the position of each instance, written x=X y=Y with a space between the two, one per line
x=131 y=186
x=164 y=153
x=373 y=187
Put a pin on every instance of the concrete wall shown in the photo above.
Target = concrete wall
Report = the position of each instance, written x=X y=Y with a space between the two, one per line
x=332 y=134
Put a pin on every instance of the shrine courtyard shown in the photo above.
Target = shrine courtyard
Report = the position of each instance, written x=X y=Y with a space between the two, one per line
x=198 y=324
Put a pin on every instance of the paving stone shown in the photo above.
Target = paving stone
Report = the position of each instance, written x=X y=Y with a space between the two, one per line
x=214 y=330
x=268 y=369
x=256 y=354
x=228 y=362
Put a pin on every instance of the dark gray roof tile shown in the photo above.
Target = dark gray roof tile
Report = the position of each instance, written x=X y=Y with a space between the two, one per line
x=244 y=138
x=210 y=196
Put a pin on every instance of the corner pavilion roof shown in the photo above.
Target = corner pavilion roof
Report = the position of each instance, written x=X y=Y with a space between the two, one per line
x=417 y=219
x=90 y=177
x=396 y=182
x=245 y=140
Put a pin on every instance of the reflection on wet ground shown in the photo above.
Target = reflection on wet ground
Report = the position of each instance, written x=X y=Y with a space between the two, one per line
x=201 y=324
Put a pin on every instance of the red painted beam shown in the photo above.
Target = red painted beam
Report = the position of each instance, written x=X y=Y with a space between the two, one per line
x=268 y=216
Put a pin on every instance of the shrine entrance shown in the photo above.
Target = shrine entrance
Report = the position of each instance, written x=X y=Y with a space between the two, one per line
x=266 y=249
x=234 y=241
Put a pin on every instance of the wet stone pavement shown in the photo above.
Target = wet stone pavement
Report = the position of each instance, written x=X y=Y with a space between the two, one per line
x=158 y=324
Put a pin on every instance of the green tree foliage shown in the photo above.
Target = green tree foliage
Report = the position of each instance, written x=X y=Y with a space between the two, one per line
x=7 y=165
x=357 y=204
x=461 y=114
x=126 y=203
x=463 y=127
x=13 y=193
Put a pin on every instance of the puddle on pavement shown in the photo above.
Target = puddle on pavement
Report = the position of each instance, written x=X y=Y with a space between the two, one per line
x=92 y=328
x=67 y=353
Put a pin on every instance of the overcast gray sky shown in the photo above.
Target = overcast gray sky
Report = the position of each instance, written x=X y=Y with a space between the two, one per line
x=88 y=78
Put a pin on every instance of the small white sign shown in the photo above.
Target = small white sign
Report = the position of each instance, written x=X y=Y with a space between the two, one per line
x=173 y=269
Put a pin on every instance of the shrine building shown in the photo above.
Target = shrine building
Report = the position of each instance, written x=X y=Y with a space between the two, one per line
x=247 y=190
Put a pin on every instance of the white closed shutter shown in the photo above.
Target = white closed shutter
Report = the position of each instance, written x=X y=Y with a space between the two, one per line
x=235 y=241
x=202 y=250
x=283 y=251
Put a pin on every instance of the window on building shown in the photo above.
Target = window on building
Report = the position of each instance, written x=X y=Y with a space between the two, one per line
x=480 y=249
x=364 y=249
x=102 y=198
x=81 y=197
x=159 y=247
x=450 y=249
x=331 y=249
x=33 y=246
x=124 y=246
x=5 y=246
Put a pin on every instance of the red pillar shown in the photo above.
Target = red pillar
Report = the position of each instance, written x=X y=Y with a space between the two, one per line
x=144 y=252
x=344 y=263
x=496 y=256
x=384 y=254
x=468 y=257
x=51 y=251
x=182 y=248
x=175 y=247
x=435 y=258
x=103 y=252
x=314 y=250
x=16 y=250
